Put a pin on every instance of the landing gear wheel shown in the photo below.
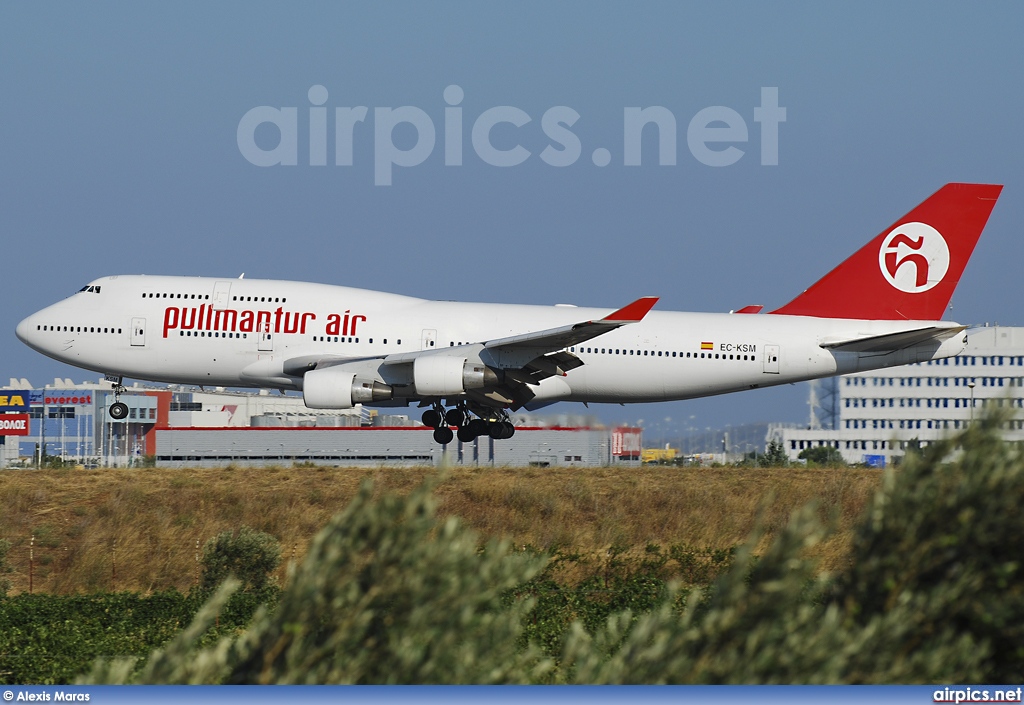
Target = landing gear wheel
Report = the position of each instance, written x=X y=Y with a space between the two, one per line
x=118 y=411
x=432 y=418
x=500 y=430
x=465 y=434
x=455 y=417
x=443 y=435
x=478 y=427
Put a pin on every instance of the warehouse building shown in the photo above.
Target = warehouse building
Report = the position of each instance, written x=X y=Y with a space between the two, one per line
x=389 y=445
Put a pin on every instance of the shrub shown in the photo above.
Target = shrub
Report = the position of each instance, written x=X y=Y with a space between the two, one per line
x=774 y=456
x=946 y=537
x=822 y=455
x=250 y=556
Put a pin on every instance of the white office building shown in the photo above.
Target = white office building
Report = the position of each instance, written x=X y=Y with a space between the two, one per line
x=874 y=415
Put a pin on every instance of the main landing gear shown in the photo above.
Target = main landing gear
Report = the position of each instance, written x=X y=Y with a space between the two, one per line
x=496 y=424
x=118 y=410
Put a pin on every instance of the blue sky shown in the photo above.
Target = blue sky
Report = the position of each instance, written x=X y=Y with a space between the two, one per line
x=119 y=152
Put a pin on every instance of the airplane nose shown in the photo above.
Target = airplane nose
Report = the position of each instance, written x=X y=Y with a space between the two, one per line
x=25 y=329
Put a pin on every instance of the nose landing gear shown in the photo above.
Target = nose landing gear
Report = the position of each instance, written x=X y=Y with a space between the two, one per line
x=118 y=410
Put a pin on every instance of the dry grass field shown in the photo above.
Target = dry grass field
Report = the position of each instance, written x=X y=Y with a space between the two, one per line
x=98 y=530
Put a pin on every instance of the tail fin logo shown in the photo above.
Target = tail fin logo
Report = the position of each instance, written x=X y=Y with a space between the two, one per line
x=914 y=257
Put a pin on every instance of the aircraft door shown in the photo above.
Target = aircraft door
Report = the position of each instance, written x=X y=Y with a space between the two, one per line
x=139 y=332
x=221 y=295
x=429 y=339
x=771 y=359
x=266 y=339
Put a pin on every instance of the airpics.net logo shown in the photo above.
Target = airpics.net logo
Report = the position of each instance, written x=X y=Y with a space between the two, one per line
x=914 y=257
x=714 y=135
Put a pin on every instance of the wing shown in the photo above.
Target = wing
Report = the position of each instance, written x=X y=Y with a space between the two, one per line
x=530 y=358
x=520 y=361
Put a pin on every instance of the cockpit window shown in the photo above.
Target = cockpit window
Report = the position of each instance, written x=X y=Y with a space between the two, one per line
x=91 y=289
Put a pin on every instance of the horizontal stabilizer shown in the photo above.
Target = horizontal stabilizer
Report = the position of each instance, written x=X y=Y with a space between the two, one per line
x=891 y=342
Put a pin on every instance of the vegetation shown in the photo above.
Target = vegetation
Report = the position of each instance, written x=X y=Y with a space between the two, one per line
x=774 y=455
x=52 y=639
x=826 y=456
x=396 y=590
x=5 y=568
x=144 y=530
x=389 y=593
x=250 y=556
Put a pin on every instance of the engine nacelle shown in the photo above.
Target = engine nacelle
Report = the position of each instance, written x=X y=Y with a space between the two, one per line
x=336 y=388
x=448 y=375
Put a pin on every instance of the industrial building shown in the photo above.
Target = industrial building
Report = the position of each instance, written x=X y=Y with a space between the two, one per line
x=871 y=417
x=187 y=427
x=368 y=445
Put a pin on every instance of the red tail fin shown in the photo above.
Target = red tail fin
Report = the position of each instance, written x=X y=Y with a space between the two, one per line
x=908 y=272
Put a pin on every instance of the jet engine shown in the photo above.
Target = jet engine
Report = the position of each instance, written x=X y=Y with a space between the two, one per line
x=448 y=375
x=336 y=388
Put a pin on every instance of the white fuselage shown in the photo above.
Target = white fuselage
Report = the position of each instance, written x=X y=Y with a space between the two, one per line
x=241 y=332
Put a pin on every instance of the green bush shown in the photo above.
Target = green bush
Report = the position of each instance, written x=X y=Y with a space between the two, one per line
x=949 y=539
x=774 y=456
x=250 y=556
x=822 y=455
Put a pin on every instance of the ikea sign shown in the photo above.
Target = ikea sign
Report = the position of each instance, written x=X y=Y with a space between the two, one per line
x=14 y=400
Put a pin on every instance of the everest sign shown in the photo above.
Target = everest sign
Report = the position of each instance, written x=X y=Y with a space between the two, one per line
x=13 y=424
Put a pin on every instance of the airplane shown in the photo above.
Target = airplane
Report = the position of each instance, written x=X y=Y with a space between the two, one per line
x=470 y=364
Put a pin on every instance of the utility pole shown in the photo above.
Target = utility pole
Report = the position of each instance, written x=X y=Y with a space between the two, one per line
x=970 y=385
